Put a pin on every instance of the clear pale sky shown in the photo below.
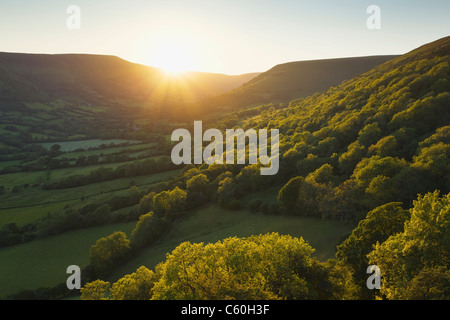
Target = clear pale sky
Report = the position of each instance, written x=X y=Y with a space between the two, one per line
x=224 y=36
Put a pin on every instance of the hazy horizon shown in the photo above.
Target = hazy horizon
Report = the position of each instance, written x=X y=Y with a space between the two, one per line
x=232 y=37
x=186 y=71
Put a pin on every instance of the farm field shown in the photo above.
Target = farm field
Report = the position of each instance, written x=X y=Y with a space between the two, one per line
x=19 y=178
x=107 y=151
x=43 y=262
x=40 y=202
x=68 y=146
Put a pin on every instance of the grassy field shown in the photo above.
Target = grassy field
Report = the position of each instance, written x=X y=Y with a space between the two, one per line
x=29 y=205
x=268 y=195
x=5 y=164
x=68 y=146
x=212 y=223
x=19 y=178
x=23 y=215
x=43 y=262
x=107 y=151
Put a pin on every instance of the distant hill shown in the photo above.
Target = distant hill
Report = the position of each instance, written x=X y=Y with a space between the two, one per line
x=64 y=95
x=292 y=80
x=88 y=78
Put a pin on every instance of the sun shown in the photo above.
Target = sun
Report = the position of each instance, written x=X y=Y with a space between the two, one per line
x=174 y=58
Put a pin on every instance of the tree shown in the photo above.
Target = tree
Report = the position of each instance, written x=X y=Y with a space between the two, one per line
x=177 y=199
x=379 y=225
x=435 y=160
x=135 y=286
x=95 y=290
x=99 y=216
x=146 y=203
x=170 y=201
x=288 y=194
x=81 y=161
x=55 y=150
x=161 y=202
x=323 y=175
x=299 y=196
x=370 y=134
x=147 y=229
x=370 y=168
x=226 y=191
x=109 y=251
x=197 y=183
x=197 y=190
x=432 y=283
x=267 y=266
x=424 y=243
x=385 y=147
x=348 y=160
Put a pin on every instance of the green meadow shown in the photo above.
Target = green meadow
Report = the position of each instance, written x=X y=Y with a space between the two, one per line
x=43 y=262
x=38 y=203
x=68 y=146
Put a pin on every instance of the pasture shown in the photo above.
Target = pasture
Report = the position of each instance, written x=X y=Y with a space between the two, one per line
x=43 y=262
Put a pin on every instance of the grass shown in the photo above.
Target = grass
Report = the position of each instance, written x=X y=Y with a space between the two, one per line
x=5 y=164
x=68 y=146
x=20 y=178
x=107 y=151
x=212 y=223
x=29 y=205
x=43 y=262
x=267 y=195
x=23 y=215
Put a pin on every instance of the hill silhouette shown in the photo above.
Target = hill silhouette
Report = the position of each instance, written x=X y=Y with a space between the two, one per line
x=288 y=81
x=86 y=78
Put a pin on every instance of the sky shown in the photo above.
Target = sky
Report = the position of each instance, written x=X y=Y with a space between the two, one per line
x=231 y=37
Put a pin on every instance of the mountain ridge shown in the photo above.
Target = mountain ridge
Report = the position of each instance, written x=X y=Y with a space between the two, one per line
x=124 y=79
x=297 y=79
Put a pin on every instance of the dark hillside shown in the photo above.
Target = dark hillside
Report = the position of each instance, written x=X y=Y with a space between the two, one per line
x=299 y=79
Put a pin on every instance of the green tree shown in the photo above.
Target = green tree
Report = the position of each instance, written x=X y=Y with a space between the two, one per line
x=177 y=199
x=147 y=229
x=161 y=202
x=135 y=286
x=370 y=168
x=432 y=283
x=259 y=267
x=435 y=161
x=109 y=251
x=288 y=194
x=348 y=160
x=300 y=197
x=170 y=201
x=424 y=243
x=146 y=203
x=197 y=183
x=226 y=191
x=99 y=216
x=95 y=290
x=385 y=147
x=323 y=175
x=379 y=225
x=370 y=134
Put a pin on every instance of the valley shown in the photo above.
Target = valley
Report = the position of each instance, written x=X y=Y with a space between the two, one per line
x=86 y=178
